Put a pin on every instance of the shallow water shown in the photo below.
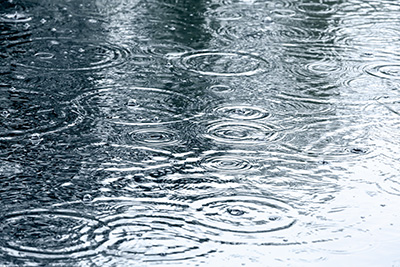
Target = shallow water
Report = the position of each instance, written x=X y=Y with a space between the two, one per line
x=199 y=133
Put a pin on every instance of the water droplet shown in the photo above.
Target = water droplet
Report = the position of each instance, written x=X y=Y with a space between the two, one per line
x=36 y=139
x=5 y=113
x=87 y=198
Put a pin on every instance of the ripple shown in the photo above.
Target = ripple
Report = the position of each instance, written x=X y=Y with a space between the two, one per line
x=291 y=34
x=283 y=13
x=140 y=106
x=219 y=63
x=12 y=31
x=234 y=162
x=390 y=185
x=225 y=13
x=343 y=141
x=124 y=158
x=50 y=234
x=66 y=54
x=360 y=34
x=288 y=104
x=244 y=214
x=221 y=89
x=148 y=230
x=28 y=112
x=316 y=9
x=387 y=71
x=16 y=17
x=155 y=137
x=242 y=133
x=242 y=112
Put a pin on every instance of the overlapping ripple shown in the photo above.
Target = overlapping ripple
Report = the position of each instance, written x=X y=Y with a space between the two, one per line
x=244 y=214
x=389 y=71
x=50 y=234
x=125 y=158
x=27 y=112
x=146 y=230
x=139 y=106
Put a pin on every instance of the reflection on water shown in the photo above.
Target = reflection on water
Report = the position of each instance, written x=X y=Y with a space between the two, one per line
x=224 y=133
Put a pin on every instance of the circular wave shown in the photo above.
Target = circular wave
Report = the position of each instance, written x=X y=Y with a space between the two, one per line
x=139 y=106
x=26 y=112
x=342 y=142
x=51 y=234
x=220 y=63
x=386 y=71
x=242 y=133
x=16 y=17
x=155 y=137
x=288 y=104
x=65 y=54
x=244 y=214
x=233 y=162
x=147 y=229
x=242 y=112
x=220 y=89
x=312 y=9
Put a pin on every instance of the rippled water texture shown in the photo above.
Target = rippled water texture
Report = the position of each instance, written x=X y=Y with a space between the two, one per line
x=199 y=133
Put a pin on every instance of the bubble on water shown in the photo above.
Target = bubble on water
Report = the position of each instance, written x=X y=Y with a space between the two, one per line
x=87 y=198
x=36 y=138
x=5 y=113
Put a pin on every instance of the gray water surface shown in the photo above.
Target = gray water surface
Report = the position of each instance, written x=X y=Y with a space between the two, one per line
x=199 y=133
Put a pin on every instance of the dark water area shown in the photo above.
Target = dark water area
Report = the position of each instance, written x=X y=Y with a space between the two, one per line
x=199 y=133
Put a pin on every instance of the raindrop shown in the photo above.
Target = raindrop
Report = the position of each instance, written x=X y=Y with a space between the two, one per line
x=87 y=198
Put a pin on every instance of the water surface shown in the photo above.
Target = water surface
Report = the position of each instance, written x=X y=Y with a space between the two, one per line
x=199 y=133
